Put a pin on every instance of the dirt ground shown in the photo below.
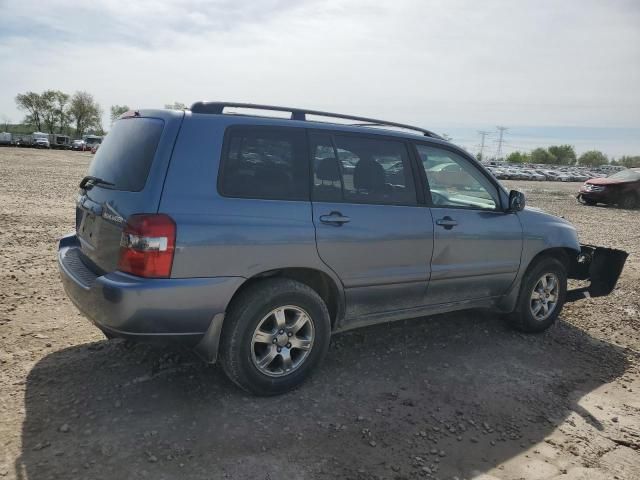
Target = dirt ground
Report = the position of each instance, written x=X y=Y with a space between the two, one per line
x=452 y=396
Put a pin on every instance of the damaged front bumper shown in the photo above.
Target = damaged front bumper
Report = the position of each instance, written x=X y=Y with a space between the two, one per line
x=600 y=266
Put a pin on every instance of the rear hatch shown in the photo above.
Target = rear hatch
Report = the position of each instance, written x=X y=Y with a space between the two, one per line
x=131 y=166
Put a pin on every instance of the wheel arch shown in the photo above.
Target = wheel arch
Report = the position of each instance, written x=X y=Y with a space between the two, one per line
x=562 y=253
x=329 y=289
x=322 y=283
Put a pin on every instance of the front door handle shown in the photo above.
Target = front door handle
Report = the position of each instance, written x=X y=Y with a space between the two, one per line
x=447 y=222
x=334 y=218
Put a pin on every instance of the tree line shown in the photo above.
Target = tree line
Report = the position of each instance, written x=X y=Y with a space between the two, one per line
x=566 y=155
x=54 y=111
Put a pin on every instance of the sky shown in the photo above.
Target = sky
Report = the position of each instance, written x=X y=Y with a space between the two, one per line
x=552 y=71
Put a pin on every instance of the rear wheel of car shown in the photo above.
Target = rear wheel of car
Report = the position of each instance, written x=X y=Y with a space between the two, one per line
x=542 y=295
x=275 y=333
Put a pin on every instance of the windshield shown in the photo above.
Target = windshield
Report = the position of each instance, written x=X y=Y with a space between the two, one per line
x=125 y=156
x=631 y=175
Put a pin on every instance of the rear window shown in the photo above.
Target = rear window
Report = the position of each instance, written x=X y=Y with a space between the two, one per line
x=631 y=175
x=265 y=162
x=126 y=153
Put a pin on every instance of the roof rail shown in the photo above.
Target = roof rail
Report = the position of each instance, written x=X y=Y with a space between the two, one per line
x=301 y=114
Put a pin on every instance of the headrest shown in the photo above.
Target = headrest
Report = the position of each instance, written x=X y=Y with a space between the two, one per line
x=327 y=169
x=369 y=175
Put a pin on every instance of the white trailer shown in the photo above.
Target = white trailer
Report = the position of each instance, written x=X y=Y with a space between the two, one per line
x=59 y=141
x=6 y=138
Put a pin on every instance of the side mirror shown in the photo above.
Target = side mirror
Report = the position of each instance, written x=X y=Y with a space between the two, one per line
x=516 y=201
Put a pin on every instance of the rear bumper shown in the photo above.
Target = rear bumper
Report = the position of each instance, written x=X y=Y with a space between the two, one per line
x=600 y=266
x=123 y=305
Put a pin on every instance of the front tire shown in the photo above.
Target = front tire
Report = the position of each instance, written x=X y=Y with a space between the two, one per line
x=276 y=332
x=542 y=294
x=629 y=202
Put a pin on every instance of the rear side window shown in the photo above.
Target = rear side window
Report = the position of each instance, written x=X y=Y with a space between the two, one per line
x=361 y=170
x=127 y=152
x=264 y=162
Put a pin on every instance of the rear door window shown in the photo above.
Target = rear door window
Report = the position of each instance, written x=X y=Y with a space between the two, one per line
x=127 y=152
x=362 y=170
x=265 y=162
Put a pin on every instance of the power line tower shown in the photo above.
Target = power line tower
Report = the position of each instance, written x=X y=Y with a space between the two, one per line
x=501 y=131
x=482 y=134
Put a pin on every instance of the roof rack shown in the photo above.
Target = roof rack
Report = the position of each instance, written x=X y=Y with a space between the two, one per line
x=301 y=114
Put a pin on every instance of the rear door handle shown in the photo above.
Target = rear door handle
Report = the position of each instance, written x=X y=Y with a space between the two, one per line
x=334 y=218
x=447 y=222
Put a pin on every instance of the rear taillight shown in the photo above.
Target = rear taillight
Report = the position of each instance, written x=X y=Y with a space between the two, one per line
x=147 y=246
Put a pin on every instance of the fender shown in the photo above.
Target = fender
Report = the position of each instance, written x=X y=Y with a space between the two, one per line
x=542 y=232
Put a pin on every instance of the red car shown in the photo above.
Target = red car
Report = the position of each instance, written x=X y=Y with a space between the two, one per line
x=622 y=189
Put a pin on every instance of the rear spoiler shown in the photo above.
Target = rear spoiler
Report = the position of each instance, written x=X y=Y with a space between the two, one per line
x=601 y=266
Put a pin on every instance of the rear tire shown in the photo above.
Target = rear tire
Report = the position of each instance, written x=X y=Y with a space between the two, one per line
x=542 y=294
x=275 y=334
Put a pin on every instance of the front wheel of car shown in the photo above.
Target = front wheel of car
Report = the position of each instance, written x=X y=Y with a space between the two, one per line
x=586 y=201
x=629 y=202
x=542 y=294
x=275 y=334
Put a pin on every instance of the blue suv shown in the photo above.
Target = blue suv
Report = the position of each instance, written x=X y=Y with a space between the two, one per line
x=254 y=238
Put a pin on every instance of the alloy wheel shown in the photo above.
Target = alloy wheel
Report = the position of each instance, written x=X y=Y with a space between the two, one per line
x=544 y=297
x=282 y=341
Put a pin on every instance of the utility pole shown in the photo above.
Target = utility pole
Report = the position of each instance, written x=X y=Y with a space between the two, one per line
x=501 y=130
x=482 y=134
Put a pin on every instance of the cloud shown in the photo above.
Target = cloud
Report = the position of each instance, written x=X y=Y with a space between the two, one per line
x=142 y=23
x=436 y=63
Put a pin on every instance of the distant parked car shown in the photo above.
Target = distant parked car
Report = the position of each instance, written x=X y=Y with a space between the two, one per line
x=518 y=175
x=622 y=189
x=580 y=177
x=501 y=174
x=91 y=140
x=79 y=145
x=549 y=174
x=533 y=175
x=41 y=143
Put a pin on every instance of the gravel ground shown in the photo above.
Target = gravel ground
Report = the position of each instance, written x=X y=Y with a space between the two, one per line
x=449 y=396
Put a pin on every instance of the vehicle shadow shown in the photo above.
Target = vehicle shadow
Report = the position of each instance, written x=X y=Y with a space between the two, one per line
x=449 y=395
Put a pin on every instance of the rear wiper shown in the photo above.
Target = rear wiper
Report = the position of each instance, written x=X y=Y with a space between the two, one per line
x=90 y=181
